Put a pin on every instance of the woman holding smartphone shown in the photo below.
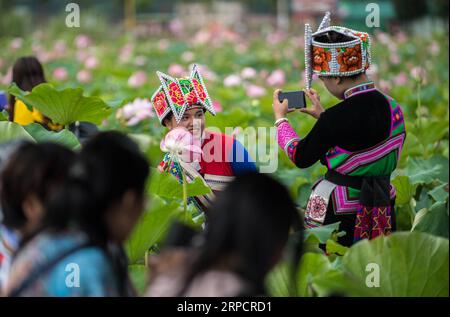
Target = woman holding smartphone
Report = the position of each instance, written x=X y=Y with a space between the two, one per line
x=359 y=140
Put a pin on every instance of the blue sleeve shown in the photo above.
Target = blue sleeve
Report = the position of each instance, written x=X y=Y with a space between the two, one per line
x=94 y=276
x=241 y=161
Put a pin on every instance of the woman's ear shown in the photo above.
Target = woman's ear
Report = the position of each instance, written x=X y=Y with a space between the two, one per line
x=167 y=123
x=338 y=80
x=33 y=211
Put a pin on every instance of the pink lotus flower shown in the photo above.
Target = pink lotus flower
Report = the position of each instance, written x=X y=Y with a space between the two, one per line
x=181 y=144
x=176 y=70
x=394 y=59
x=82 y=41
x=7 y=79
x=176 y=27
x=277 y=78
x=16 y=43
x=419 y=74
x=232 y=80
x=254 y=91
x=401 y=79
x=82 y=56
x=60 y=47
x=384 y=85
x=248 y=73
x=91 y=62
x=84 y=76
x=383 y=38
x=263 y=74
x=125 y=53
x=400 y=37
x=163 y=44
x=60 y=73
x=205 y=71
x=217 y=106
x=435 y=48
x=187 y=56
x=140 y=60
x=136 y=111
x=138 y=79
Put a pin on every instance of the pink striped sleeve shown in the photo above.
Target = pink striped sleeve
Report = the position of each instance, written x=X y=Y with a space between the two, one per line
x=287 y=139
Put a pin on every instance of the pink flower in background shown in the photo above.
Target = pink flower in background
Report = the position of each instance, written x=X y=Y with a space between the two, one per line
x=7 y=79
x=275 y=37
x=384 y=85
x=383 y=38
x=296 y=63
x=82 y=41
x=138 y=79
x=180 y=143
x=16 y=43
x=241 y=48
x=232 y=80
x=60 y=47
x=217 y=106
x=82 y=56
x=140 y=60
x=248 y=73
x=277 y=78
x=136 y=111
x=187 y=56
x=176 y=70
x=263 y=74
x=435 y=48
x=84 y=76
x=394 y=59
x=207 y=73
x=202 y=37
x=254 y=91
x=91 y=62
x=401 y=79
x=419 y=74
x=60 y=73
x=163 y=44
x=125 y=52
x=176 y=27
x=400 y=37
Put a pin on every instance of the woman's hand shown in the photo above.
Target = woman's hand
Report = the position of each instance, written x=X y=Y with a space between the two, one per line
x=316 y=108
x=280 y=109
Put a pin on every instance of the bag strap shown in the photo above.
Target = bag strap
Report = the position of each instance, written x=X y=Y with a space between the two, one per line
x=44 y=268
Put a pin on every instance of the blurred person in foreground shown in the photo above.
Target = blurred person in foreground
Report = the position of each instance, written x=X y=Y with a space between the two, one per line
x=248 y=231
x=86 y=222
x=359 y=140
x=30 y=174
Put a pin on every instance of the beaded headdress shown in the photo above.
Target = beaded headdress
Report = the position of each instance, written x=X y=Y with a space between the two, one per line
x=180 y=94
x=335 y=59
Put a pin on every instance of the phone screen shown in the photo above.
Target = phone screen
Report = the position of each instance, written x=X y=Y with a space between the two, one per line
x=296 y=99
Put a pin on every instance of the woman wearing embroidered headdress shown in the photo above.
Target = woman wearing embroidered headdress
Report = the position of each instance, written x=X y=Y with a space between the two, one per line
x=359 y=140
x=181 y=104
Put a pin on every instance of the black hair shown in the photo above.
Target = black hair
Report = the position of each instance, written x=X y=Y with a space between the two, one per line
x=27 y=72
x=250 y=220
x=37 y=169
x=170 y=115
x=333 y=37
x=108 y=165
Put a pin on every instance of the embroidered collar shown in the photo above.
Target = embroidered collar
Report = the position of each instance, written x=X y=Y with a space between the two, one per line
x=365 y=87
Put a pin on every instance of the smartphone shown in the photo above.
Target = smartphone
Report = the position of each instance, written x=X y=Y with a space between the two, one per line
x=296 y=99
